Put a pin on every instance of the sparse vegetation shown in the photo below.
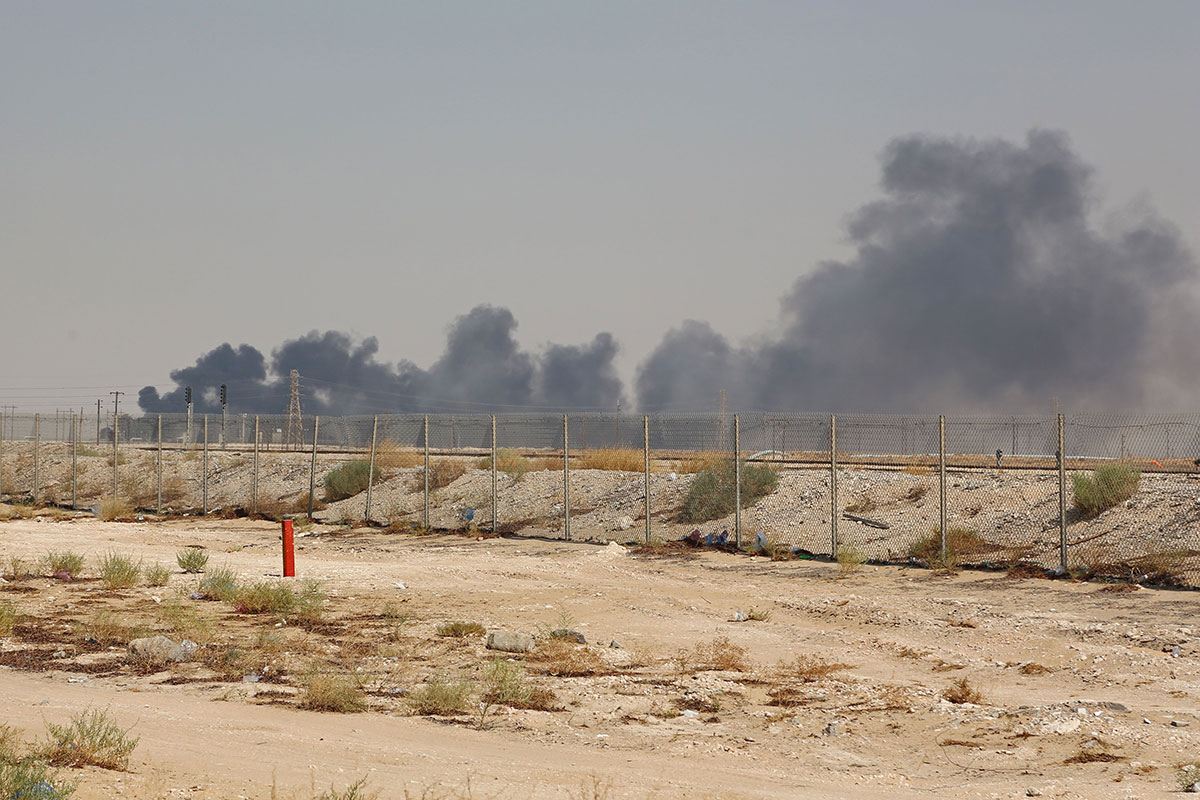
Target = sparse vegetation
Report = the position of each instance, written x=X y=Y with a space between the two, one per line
x=65 y=565
x=1107 y=485
x=8 y=617
x=1186 y=775
x=119 y=571
x=617 y=459
x=916 y=492
x=184 y=620
x=850 y=560
x=17 y=570
x=439 y=696
x=758 y=614
x=719 y=655
x=89 y=739
x=961 y=691
x=192 y=559
x=459 y=629
x=114 y=508
x=390 y=455
x=277 y=597
x=26 y=775
x=510 y=462
x=959 y=542
x=443 y=472
x=157 y=575
x=713 y=490
x=219 y=584
x=355 y=791
x=504 y=682
x=347 y=480
x=862 y=505
x=566 y=659
x=323 y=691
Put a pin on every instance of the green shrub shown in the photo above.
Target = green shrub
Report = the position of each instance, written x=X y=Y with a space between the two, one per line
x=277 y=597
x=348 y=480
x=713 y=490
x=504 y=683
x=66 y=564
x=338 y=693
x=119 y=571
x=25 y=775
x=89 y=739
x=1108 y=485
x=220 y=584
x=192 y=559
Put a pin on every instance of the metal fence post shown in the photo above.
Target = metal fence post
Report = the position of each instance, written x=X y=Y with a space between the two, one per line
x=1 y=453
x=37 y=464
x=254 y=473
x=833 y=487
x=371 y=471
x=566 y=483
x=312 y=465
x=204 y=469
x=1062 y=495
x=737 y=482
x=942 y=483
x=646 y=455
x=425 y=518
x=158 y=468
x=75 y=427
x=495 y=503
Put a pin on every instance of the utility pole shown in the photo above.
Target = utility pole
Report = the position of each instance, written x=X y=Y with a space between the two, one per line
x=295 y=434
x=187 y=398
x=224 y=398
x=97 y=423
x=116 y=437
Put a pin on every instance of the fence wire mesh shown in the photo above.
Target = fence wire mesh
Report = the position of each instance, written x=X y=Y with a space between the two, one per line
x=1128 y=484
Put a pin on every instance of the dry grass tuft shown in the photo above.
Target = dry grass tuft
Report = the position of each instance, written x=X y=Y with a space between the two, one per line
x=918 y=469
x=89 y=739
x=616 y=459
x=441 y=697
x=119 y=571
x=510 y=462
x=915 y=492
x=700 y=461
x=390 y=455
x=17 y=570
x=809 y=669
x=566 y=659
x=115 y=508
x=443 y=472
x=330 y=692
x=850 y=561
x=157 y=575
x=192 y=560
x=65 y=565
x=8 y=618
x=1034 y=668
x=460 y=629
x=862 y=505
x=961 y=691
x=720 y=655
x=959 y=542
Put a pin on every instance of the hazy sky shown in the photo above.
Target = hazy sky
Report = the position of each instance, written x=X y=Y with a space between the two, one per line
x=176 y=175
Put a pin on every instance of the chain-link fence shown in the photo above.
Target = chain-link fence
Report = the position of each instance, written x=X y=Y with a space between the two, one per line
x=1124 y=502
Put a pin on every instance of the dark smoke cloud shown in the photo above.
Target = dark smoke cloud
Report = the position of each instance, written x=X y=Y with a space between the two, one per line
x=482 y=368
x=980 y=282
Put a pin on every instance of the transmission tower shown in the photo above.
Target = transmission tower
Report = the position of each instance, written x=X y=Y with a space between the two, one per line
x=295 y=428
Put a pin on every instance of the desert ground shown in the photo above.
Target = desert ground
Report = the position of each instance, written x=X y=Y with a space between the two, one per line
x=705 y=674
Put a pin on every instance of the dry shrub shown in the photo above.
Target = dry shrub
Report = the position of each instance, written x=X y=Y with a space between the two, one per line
x=331 y=692
x=157 y=575
x=1092 y=752
x=808 y=669
x=959 y=542
x=114 y=508
x=89 y=739
x=862 y=505
x=918 y=469
x=106 y=628
x=719 y=655
x=961 y=691
x=460 y=629
x=441 y=697
x=850 y=561
x=915 y=492
x=17 y=570
x=616 y=459
x=8 y=618
x=546 y=464
x=1034 y=668
x=505 y=683
x=390 y=455
x=566 y=659
x=184 y=620
x=1164 y=567
x=443 y=472
x=510 y=462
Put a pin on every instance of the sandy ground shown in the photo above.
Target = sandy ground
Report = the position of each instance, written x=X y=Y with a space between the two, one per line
x=1108 y=708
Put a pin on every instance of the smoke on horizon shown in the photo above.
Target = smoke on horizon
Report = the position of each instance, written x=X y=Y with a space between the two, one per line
x=981 y=281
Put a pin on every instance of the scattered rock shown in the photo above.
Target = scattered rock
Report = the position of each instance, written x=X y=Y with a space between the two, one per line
x=569 y=635
x=834 y=728
x=159 y=650
x=1033 y=792
x=740 y=616
x=614 y=644
x=509 y=642
x=624 y=523
x=1179 y=723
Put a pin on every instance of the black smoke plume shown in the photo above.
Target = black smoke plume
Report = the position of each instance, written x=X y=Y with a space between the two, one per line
x=483 y=368
x=981 y=281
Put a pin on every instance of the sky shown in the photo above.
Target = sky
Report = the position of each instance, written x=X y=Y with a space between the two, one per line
x=176 y=176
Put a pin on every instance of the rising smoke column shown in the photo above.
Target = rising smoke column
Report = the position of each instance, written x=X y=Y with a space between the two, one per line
x=980 y=282
x=483 y=367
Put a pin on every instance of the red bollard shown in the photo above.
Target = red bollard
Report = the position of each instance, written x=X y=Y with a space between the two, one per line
x=289 y=555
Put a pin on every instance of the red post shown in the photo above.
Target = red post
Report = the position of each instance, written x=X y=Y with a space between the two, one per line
x=289 y=555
